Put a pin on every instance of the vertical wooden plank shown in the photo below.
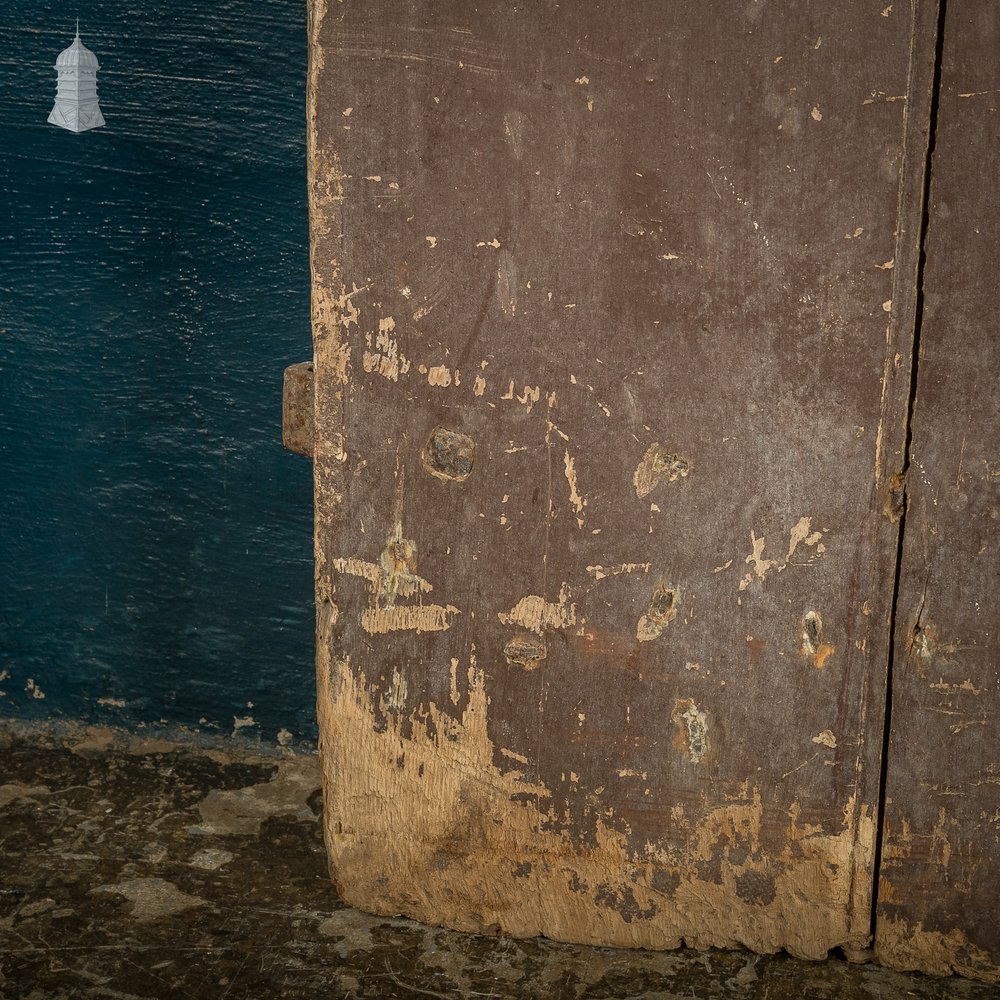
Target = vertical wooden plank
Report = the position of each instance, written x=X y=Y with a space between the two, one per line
x=612 y=314
x=940 y=880
x=153 y=284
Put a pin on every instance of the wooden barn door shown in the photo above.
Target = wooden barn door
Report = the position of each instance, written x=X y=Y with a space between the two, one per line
x=613 y=310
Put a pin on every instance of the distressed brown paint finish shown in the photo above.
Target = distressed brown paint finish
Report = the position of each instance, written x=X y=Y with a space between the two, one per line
x=940 y=882
x=606 y=659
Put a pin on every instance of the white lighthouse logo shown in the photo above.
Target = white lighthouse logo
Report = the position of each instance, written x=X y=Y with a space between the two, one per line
x=76 y=106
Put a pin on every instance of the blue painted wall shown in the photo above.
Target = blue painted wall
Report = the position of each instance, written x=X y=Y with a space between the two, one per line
x=156 y=539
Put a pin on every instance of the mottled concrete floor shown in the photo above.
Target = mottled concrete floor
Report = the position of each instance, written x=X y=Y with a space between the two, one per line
x=145 y=869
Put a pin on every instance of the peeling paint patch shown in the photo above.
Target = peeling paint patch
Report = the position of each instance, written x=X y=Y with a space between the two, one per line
x=801 y=533
x=528 y=398
x=577 y=502
x=658 y=466
x=395 y=576
x=384 y=356
x=692 y=725
x=440 y=375
x=907 y=947
x=955 y=688
x=513 y=755
x=405 y=585
x=602 y=572
x=760 y=565
x=398 y=689
x=330 y=315
x=826 y=739
x=534 y=613
x=489 y=820
x=407 y=618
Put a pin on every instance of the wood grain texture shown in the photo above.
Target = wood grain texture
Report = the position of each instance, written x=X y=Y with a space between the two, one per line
x=650 y=271
x=940 y=879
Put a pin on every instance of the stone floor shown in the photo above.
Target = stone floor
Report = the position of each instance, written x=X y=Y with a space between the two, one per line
x=146 y=869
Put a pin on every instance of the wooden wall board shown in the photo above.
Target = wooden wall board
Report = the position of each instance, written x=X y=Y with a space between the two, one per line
x=154 y=281
x=612 y=315
x=940 y=881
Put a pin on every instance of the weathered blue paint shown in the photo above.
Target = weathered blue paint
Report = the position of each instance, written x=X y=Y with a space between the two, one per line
x=156 y=540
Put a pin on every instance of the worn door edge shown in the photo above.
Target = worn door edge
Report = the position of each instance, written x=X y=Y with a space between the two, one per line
x=898 y=943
